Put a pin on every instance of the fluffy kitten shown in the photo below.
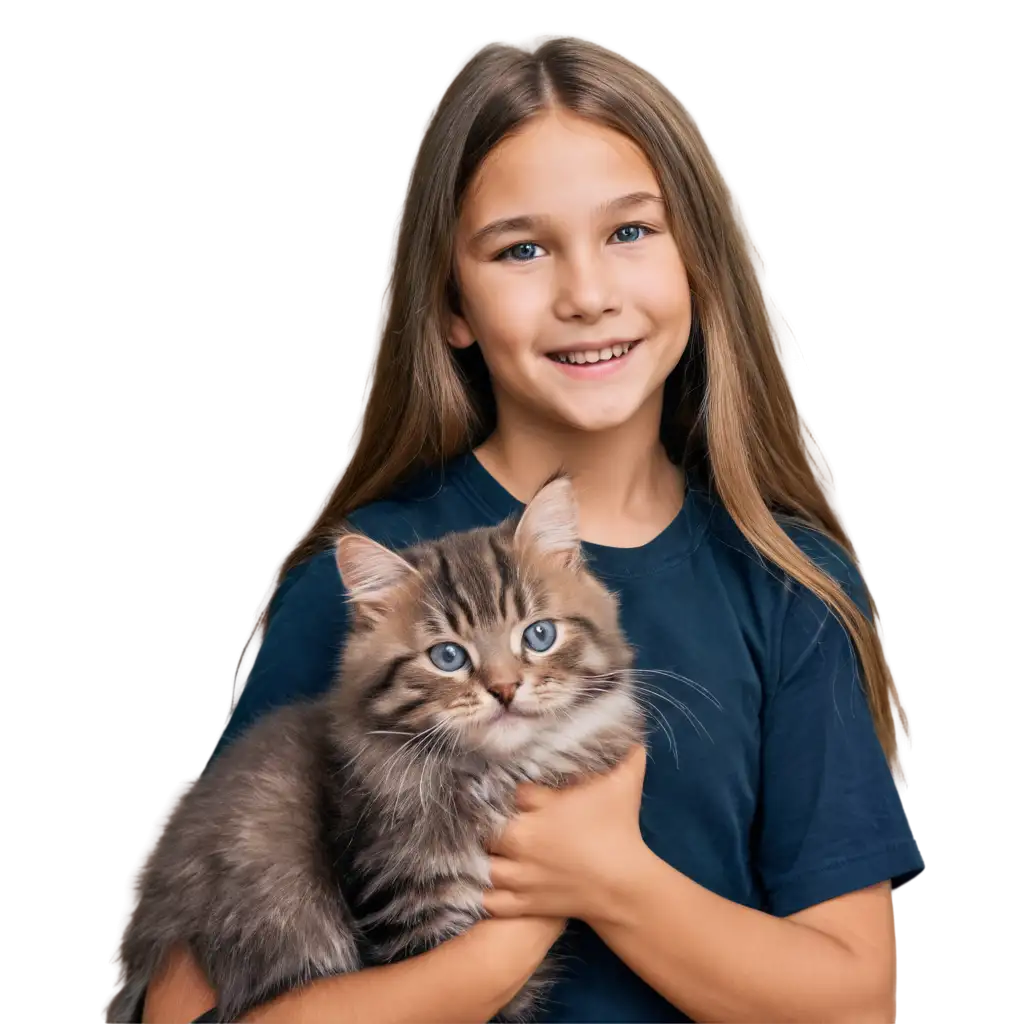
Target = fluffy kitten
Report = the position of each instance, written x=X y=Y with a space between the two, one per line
x=350 y=831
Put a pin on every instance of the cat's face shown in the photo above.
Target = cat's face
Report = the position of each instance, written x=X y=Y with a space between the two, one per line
x=487 y=637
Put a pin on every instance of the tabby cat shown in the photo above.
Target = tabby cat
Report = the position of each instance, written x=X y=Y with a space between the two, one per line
x=351 y=830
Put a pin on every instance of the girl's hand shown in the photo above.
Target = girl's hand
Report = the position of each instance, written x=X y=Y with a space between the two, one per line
x=566 y=847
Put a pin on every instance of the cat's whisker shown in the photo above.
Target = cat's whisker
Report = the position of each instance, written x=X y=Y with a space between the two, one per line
x=653 y=690
x=436 y=747
x=394 y=761
x=423 y=737
x=399 y=794
x=663 y=723
x=356 y=756
x=644 y=691
x=698 y=726
x=384 y=768
x=631 y=673
x=417 y=737
x=695 y=722
x=425 y=766
x=450 y=806
x=702 y=690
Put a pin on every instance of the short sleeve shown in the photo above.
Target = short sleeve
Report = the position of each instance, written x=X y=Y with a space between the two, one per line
x=831 y=818
x=303 y=642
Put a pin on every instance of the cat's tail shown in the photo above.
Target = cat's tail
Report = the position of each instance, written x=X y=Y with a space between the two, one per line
x=126 y=1006
x=141 y=956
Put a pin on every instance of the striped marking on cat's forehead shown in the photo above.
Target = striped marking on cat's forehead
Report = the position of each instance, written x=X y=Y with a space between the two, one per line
x=477 y=581
x=509 y=579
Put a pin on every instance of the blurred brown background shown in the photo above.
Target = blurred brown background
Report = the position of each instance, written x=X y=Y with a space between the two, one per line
x=192 y=211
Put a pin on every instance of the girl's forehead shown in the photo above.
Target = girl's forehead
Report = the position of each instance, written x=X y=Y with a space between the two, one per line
x=555 y=164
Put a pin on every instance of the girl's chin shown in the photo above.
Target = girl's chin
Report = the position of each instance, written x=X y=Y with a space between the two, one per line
x=596 y=421
x=589 y=411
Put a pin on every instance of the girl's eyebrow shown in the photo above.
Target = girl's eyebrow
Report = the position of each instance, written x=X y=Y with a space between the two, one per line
x=528 y=222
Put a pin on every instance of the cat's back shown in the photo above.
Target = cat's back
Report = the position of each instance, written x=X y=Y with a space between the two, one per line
x=242 y=872
x=259 y=805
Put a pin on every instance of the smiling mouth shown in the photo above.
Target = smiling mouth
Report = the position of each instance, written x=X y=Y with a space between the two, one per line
x=593 y=356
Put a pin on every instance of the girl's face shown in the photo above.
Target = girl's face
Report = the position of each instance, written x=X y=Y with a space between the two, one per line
x=569 y=279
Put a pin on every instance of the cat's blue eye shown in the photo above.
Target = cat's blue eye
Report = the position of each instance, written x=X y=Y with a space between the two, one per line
x=540 y=635
x=448 y=657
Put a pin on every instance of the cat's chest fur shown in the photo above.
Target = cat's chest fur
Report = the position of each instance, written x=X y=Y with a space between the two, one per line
x=410 y=846
x=434 y=824
x=411 y=860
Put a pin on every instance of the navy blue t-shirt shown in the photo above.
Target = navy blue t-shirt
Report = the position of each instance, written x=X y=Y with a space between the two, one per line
x=777 y=796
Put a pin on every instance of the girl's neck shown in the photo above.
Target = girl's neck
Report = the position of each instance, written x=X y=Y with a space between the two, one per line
x=626 y=488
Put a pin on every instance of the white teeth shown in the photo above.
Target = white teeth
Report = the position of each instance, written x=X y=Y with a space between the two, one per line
x=594 y=355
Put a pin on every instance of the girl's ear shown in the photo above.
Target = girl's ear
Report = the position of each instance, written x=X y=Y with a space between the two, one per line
x=457 y=329
x=460 y=335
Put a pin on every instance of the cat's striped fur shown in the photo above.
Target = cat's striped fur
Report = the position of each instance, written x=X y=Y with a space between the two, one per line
x=351 y=830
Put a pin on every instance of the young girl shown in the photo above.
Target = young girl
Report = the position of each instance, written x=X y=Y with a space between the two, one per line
x=572 y=290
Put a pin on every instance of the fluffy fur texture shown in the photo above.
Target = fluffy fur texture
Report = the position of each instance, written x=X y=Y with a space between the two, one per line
x=351 y=831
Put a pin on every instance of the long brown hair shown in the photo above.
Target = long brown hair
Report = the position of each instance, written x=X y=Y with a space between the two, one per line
x=728 y=416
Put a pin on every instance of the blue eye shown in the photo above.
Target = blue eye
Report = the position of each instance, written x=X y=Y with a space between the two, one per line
x=631 y=228
x=448 y=657
x=518 y=248
x=541 y=635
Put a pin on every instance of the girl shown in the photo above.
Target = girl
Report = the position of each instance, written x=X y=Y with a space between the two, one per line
x=572 y=289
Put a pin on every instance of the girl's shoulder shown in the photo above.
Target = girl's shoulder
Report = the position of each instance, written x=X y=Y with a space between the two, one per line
x=731 y=547
x=307 y=619
x=420 y=508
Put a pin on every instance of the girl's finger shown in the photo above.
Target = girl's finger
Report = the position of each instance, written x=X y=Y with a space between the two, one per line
x=504 y=903
x=531 y=797
x=502 y=844
x=636 y=759
x=505 y=873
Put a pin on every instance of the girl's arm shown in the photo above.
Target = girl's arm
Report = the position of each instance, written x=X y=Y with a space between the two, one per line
x=468 y=978
x=579 y=852
x=719 y=960
x=831 y=840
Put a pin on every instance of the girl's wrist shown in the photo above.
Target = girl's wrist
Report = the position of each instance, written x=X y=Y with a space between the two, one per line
x=620 y=882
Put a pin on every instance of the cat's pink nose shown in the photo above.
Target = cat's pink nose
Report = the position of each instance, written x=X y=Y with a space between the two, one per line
x=505 y=692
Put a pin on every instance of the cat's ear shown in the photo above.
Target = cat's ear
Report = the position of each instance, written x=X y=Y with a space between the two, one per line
x=550 y=524
x=370 y=571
